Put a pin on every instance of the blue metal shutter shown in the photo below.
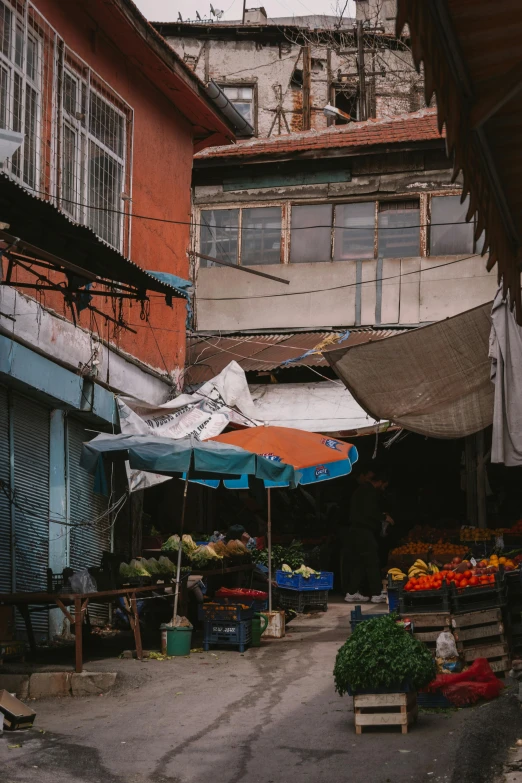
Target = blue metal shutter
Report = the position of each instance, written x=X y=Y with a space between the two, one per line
x=5 y=508
x=87 y=541
x=31 y=422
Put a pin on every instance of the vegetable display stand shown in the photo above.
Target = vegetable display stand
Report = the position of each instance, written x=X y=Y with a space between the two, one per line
x=222 y=610
x=475 y=599
x=482 y=635
x=423 y=601
x=299 y=600
x=227 y=634
x=428 y=626
x=385 y=709
x=289 y=581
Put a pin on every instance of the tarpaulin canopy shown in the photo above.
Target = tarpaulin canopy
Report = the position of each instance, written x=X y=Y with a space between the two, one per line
x=434 y=380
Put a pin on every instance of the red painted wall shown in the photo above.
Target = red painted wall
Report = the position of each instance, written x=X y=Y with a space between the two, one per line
x=162 y=166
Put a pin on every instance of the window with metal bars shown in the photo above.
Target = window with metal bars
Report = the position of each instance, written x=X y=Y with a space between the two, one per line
x=93 y=150
x=21 y=52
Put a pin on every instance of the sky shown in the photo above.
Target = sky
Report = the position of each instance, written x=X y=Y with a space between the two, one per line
x=167 y=10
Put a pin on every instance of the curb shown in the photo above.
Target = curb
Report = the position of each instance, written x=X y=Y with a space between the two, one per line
x=42 y=685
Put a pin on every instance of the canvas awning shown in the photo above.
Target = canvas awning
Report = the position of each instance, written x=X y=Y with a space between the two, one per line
x=316 y=407
x=434 y=380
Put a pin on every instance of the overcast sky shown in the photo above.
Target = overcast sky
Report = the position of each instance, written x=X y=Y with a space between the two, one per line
x=167 y=10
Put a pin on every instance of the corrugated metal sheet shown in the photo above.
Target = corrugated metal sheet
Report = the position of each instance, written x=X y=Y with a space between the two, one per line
x=87 y=542
x=207 y=356
x=5 y=508
x=31 y=460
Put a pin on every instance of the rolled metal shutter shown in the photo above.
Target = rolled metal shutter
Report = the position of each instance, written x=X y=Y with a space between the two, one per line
x=5 y=508
x=31 y=424
x=90 y=526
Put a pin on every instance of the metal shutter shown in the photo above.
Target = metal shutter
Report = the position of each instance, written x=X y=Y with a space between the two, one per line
x=31 y=422
x=87 y=542
x=5 y=508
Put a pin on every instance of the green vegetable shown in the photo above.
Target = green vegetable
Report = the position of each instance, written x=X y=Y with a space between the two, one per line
x=381 y=654
x=290 y=555
x=286 y=568
x=171 y=544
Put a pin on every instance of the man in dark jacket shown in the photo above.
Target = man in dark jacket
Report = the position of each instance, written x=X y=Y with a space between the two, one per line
x=362 y=540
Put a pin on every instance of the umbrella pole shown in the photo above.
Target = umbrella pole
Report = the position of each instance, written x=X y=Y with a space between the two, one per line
x=178 y=570
x=269 y=535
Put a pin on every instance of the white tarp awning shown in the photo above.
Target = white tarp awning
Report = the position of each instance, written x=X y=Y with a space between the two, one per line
x=434 y=380
x=324 y=406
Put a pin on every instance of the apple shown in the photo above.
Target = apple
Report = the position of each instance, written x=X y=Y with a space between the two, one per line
x=456 y=560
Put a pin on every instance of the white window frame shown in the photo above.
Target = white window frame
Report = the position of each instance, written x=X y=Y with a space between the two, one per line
x=81 y=127
x=9 y=63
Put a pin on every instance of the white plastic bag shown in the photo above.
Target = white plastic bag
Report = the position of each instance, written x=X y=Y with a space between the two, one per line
x=82 y=582
x=446 y=647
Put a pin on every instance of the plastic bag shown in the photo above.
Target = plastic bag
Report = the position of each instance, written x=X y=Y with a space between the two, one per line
x=82 y=582
x=446 y=647
x=478 y=682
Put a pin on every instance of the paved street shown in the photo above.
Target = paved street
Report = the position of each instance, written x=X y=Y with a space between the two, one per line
x=262 y=717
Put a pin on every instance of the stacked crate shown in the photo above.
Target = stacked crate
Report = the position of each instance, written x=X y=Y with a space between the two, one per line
x=482 y=635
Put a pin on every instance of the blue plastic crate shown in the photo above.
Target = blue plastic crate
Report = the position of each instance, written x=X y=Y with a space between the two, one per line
x=324 y=581
x=432 y=701
x=393 y=600
x=226 y=610
x=228 y=634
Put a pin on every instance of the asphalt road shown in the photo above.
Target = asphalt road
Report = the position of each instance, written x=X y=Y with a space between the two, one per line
x=266 y=716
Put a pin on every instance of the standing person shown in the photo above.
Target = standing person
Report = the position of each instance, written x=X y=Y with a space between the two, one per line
x=362 y=541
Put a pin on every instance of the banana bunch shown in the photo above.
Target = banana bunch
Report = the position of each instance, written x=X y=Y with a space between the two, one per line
x=420 y=568
x=397 y=575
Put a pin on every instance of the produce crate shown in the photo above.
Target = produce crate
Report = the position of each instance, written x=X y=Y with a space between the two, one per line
x=514 y=584
x=357 y=616
x=424 y=601
x=11 y=649
x=222 y=610
x=299 y=600
x=391 y=709
x=428 y=626
x=474 y=599
x=482 y=635
x=227 y=634
x=324 y=581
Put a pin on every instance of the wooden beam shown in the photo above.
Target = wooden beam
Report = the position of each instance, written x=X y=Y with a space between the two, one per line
x=241 y=268
x=498 y=92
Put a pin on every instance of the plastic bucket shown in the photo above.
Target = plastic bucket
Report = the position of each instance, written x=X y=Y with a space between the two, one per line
x=176 y=641
x=259 y=626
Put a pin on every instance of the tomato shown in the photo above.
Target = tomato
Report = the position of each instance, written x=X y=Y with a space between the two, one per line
x=463 y=583
x=474 y=581
x=451 y=576
x=467 y=574
x=491 y=579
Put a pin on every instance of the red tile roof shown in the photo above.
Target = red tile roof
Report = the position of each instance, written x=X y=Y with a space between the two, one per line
x=418 y=126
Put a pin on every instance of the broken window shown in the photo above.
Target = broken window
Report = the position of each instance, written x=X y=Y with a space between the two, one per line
x=261 y=236
x=243 y=99
x=296 y=82
x=310 y=239
x=346 y=100
x=354 y=231
x=219 y=235
x=399 y=229
x=449 y=233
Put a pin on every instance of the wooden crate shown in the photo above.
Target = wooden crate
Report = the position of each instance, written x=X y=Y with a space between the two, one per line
x=482 y=635
x=427 y=627
x=385 y=709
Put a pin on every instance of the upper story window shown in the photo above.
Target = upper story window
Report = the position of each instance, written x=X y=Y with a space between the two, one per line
x=450 y=234
x=93 y=155
x=21 y=71
x=350 y=231
x=243 y=97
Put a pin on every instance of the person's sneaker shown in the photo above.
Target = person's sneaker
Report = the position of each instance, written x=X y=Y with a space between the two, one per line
x=379 y=599
x=356 y=598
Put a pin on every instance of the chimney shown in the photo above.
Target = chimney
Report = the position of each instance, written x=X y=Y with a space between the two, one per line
x=255 y=16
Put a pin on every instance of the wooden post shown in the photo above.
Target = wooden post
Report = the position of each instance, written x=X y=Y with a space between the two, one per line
x=360 y=69
x=307 y=88
x=78 y=623
x=136 y=629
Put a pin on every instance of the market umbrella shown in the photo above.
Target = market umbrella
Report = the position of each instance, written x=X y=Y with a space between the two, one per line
x=184 y=457
x=314 y=457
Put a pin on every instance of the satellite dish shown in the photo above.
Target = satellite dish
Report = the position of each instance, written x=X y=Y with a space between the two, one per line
x=219 y=14
x=198 y=16
x=212 y=10
x=180 y=18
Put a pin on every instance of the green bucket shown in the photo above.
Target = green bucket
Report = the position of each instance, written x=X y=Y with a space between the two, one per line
x=259 y=626
x=176 y=640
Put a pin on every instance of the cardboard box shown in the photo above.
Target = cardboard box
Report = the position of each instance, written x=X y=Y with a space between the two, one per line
x=16 y=714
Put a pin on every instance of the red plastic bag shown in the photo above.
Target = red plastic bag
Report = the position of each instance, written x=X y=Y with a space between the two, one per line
x=241 y=592
x=478 y=682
